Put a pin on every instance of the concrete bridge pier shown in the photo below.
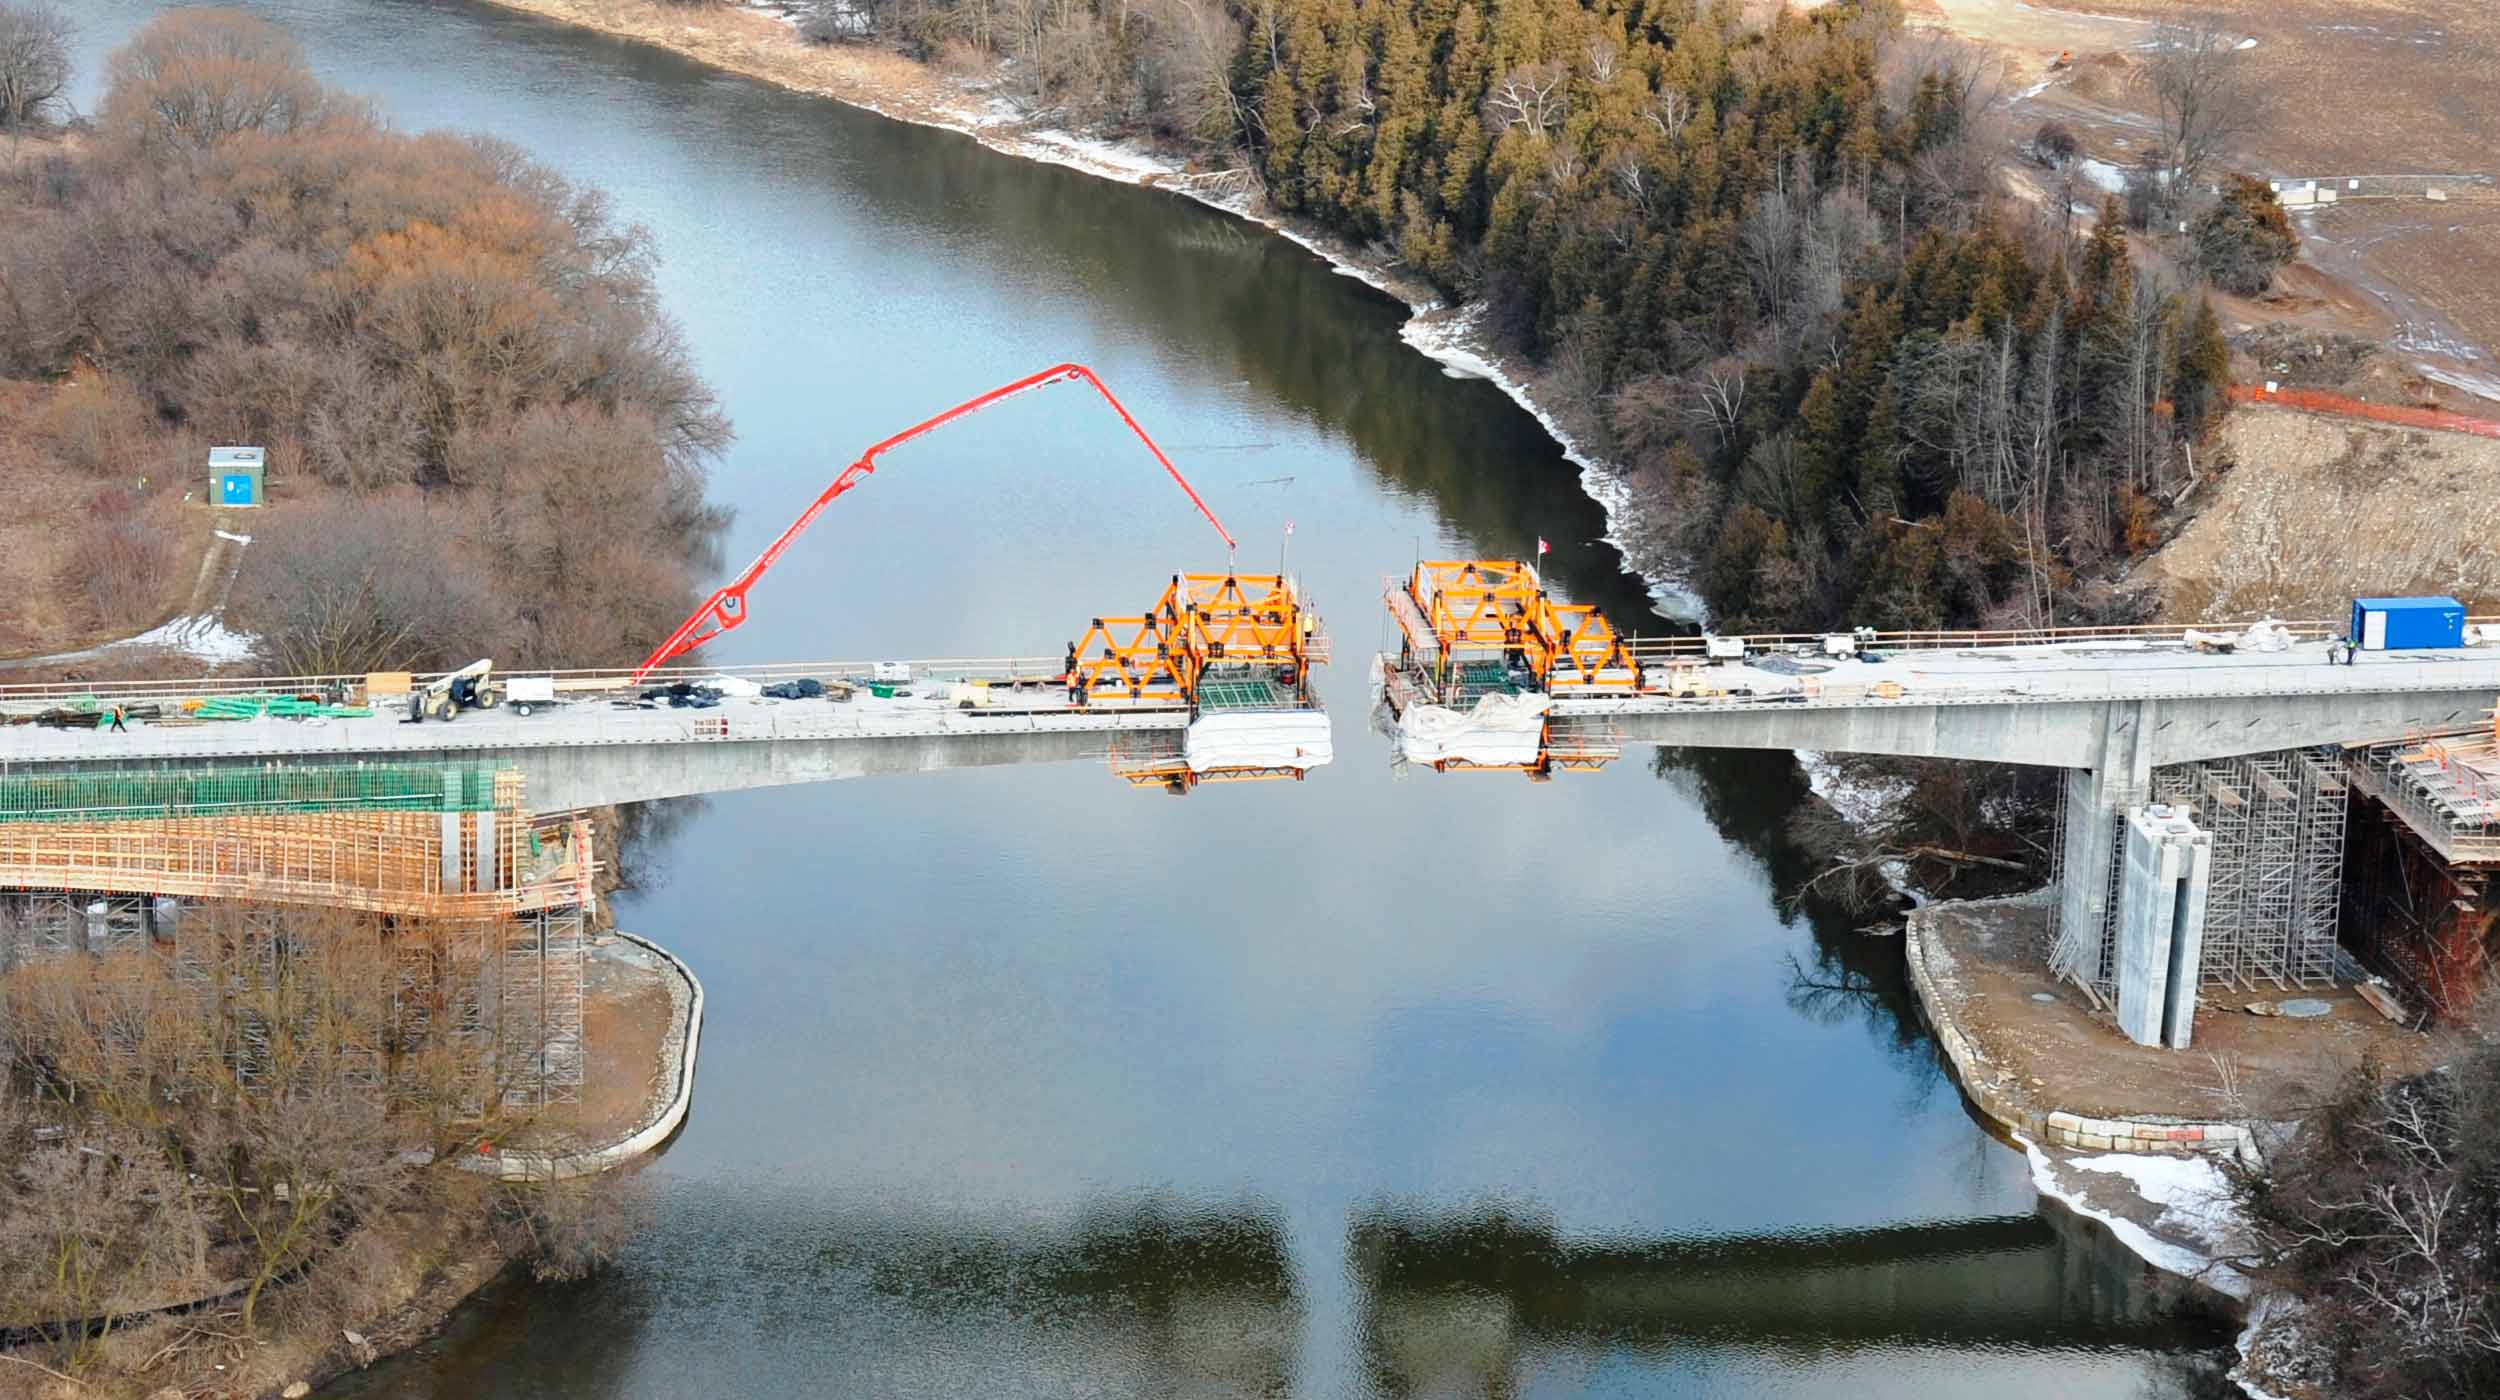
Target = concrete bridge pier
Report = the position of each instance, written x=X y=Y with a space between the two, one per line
x=2095 y=799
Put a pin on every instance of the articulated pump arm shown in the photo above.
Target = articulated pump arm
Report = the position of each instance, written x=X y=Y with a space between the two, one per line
x=727 y=608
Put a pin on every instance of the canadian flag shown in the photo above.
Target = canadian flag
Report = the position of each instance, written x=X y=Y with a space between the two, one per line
x=1542 y=547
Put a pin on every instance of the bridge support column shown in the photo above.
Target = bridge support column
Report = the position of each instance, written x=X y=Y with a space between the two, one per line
x=2095 y=800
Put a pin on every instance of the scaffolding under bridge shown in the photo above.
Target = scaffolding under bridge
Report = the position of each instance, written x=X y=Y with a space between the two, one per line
x=2273 y=905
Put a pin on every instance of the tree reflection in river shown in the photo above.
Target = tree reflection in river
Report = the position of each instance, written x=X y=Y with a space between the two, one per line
x=950 y=1016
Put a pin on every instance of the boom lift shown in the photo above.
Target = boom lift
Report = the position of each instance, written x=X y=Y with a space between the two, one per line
x=727 y=607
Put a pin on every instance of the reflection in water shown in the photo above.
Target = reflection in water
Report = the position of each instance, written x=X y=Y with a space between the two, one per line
x=1154 y=1296
x=1467 y=1302
x=1143 y=1296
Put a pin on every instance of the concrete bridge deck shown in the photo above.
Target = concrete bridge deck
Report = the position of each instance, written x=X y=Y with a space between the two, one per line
x=593 y=751
x=2116 y=704
x=2055 y=704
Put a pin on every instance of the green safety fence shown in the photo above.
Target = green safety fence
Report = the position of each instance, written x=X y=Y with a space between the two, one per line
x=284 y=706
x=211 y=792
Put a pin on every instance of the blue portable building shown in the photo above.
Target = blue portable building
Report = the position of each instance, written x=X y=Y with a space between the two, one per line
x=235 y=476
x=2406 y=624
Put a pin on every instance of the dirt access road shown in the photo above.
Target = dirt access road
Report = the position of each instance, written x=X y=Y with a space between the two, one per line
x=2351 y=87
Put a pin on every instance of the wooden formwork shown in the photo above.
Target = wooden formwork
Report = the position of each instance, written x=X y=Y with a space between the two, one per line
x=383 y=862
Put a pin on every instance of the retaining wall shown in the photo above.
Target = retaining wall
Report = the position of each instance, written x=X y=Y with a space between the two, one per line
x=2001 y=1097
x=541 y=1166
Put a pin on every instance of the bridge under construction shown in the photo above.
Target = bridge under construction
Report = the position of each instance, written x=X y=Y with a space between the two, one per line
x=345 y=792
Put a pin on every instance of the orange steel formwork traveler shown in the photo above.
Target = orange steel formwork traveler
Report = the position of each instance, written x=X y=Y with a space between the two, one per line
x=1457 y=610
x=1476 y=627
x=1202 y=623
x=1225 y=644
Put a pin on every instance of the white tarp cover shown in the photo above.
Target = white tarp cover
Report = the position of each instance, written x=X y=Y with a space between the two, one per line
x=1258 y=739
x=738 y=686
x=1501 y=730
x=2268 y=635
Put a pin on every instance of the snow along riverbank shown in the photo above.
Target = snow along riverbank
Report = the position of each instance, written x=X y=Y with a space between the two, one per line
x=761 y=42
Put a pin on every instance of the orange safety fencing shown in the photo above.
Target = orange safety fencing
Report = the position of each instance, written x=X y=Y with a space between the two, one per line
x=2319 y=401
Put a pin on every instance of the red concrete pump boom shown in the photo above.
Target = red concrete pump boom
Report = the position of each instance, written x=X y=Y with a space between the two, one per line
x=727 y=607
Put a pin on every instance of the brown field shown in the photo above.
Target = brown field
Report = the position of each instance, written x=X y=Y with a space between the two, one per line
x=2351 y=87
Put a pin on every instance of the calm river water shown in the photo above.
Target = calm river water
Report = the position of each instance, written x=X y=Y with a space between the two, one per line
x=1018 y=1083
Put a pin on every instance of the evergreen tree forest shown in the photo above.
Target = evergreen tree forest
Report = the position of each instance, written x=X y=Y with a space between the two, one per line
x=1766 y=259
x=1858 y=382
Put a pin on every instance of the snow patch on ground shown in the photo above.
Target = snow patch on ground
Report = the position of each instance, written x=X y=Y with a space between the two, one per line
x=2479 y=385
x=1864 y=802
x=203 y=637
x=2190 y=1190
x=1089 y=154
x=2189 y=1193
x=1458 y=341
x=2267 y=1314
x=2103 y=174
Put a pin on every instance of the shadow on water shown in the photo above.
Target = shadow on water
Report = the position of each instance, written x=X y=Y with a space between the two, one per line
x=1146 y=1294
x=1151 y=1295
x=1454 y=1300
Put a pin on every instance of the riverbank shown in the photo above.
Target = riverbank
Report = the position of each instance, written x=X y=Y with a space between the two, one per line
x=395 y=1281
x=2132 y=1136
x=765 y=47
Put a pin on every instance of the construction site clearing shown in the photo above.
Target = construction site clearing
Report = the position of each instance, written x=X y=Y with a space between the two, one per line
x=2267 y=1055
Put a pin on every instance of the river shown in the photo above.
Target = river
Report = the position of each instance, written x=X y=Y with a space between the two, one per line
x=1016 y=1082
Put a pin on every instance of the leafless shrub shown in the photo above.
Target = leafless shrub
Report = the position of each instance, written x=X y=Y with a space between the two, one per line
x=98 y=424
x=343 y=587
x=572 y=1229
x=2378 y=1217
x=84 y=1237
x=124 y=561
x=2053 y=145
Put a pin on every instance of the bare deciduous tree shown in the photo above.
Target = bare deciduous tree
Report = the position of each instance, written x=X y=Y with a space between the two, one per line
x=1714 y=398
x=34 y=60
x=1531 y=96
x=2203 y=99
x=352 y=586
x=196 y=77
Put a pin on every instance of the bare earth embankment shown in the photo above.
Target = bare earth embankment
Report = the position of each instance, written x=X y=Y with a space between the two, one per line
x=2312 y=510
